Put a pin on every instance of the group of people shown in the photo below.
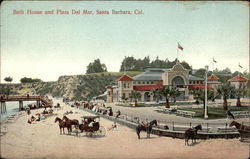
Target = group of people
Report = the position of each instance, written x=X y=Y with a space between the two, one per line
x=106 y=110
x=34 y=119
x=45 y=111
x=40 y=116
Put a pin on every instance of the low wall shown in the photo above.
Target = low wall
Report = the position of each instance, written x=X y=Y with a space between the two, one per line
x=165 y=132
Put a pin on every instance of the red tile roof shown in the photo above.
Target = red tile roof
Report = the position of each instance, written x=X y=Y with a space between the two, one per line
x=213 y=77
x=238 y=78
x=199 y=87
x=147 y=88
x=125 y=78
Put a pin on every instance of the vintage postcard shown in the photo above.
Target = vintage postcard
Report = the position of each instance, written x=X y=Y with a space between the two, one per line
x=125 y=80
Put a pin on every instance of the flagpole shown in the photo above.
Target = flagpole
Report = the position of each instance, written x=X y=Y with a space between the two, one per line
x=213 y=66
x=177 y=52
x=124 y=66
x=239 y=70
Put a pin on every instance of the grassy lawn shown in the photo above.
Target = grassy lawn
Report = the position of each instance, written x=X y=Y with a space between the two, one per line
x=214 y=112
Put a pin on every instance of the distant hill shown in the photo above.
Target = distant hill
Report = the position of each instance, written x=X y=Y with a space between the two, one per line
x=75 y=87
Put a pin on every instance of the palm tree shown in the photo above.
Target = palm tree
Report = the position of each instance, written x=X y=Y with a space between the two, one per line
x=168 y=93
x=156 y=94
x=225 y=90
x=124 y=98
x=135 y=95
x=199 y=94
x=240 y=92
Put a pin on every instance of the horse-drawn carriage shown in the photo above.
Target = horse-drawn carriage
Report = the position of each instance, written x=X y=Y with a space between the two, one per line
x=91 y=125
x=244 y=130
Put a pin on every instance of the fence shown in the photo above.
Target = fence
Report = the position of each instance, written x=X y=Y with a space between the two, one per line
x=176 y=129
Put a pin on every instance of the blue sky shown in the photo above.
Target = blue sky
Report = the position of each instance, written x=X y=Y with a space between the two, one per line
x=48 y=46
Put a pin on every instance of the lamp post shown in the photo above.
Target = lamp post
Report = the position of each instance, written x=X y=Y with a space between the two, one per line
x=205 y=114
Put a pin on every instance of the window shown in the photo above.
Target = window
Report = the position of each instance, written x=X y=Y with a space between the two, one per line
x=139 y=82
x=152 y=82
x=124 y=85
x=147 y=82
x=128 y=85
x=178 y=81
x=143 y=82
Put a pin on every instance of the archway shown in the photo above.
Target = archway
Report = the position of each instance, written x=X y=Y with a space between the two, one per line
x=178 y=81
x=147 y=96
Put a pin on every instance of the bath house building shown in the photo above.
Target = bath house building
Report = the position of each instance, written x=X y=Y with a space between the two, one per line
x=156 y=78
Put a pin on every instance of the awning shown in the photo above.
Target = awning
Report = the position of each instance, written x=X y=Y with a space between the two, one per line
x=147 y=88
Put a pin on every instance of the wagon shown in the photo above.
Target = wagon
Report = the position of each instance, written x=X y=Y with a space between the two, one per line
x=91 y=125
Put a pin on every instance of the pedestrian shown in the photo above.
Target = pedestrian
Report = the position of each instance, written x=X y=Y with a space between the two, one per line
x=118 y=113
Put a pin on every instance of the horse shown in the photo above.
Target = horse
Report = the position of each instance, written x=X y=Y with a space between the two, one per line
x=148 y=128
x=243 y=130
x=72 y=122
x=191 y=133
x=62 y=124
x=239 y=126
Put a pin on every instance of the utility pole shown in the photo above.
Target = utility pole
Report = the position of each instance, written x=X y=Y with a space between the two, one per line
x=205 y=114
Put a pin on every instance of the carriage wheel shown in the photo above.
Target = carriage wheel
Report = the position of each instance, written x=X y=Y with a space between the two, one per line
x=101 y=131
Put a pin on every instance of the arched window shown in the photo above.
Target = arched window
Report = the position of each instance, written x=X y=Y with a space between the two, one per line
x=178 y=81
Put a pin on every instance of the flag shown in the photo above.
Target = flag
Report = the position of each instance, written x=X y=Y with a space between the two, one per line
x=180 y=47
x=240 y=65
x=214 y=60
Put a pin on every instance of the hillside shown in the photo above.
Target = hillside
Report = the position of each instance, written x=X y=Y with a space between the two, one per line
x=75 y=87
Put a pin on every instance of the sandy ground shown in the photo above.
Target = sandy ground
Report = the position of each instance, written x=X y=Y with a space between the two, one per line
x=43 y=140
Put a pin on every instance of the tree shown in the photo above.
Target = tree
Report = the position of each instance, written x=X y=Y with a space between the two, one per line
x=104 y=67
x=225 y=90
x=200 y=72
x=199 y=94
x=128 y=63
x=226 y=70
x=240 y=92
x=168 y=93
x=133 y=64
x=29 y=80
x=157 y=63
x=96 y=67
x=236 y=73
x=135 y=95
x=156 y=94
x=8 y=79
x=124 y=98
x=186 y=65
